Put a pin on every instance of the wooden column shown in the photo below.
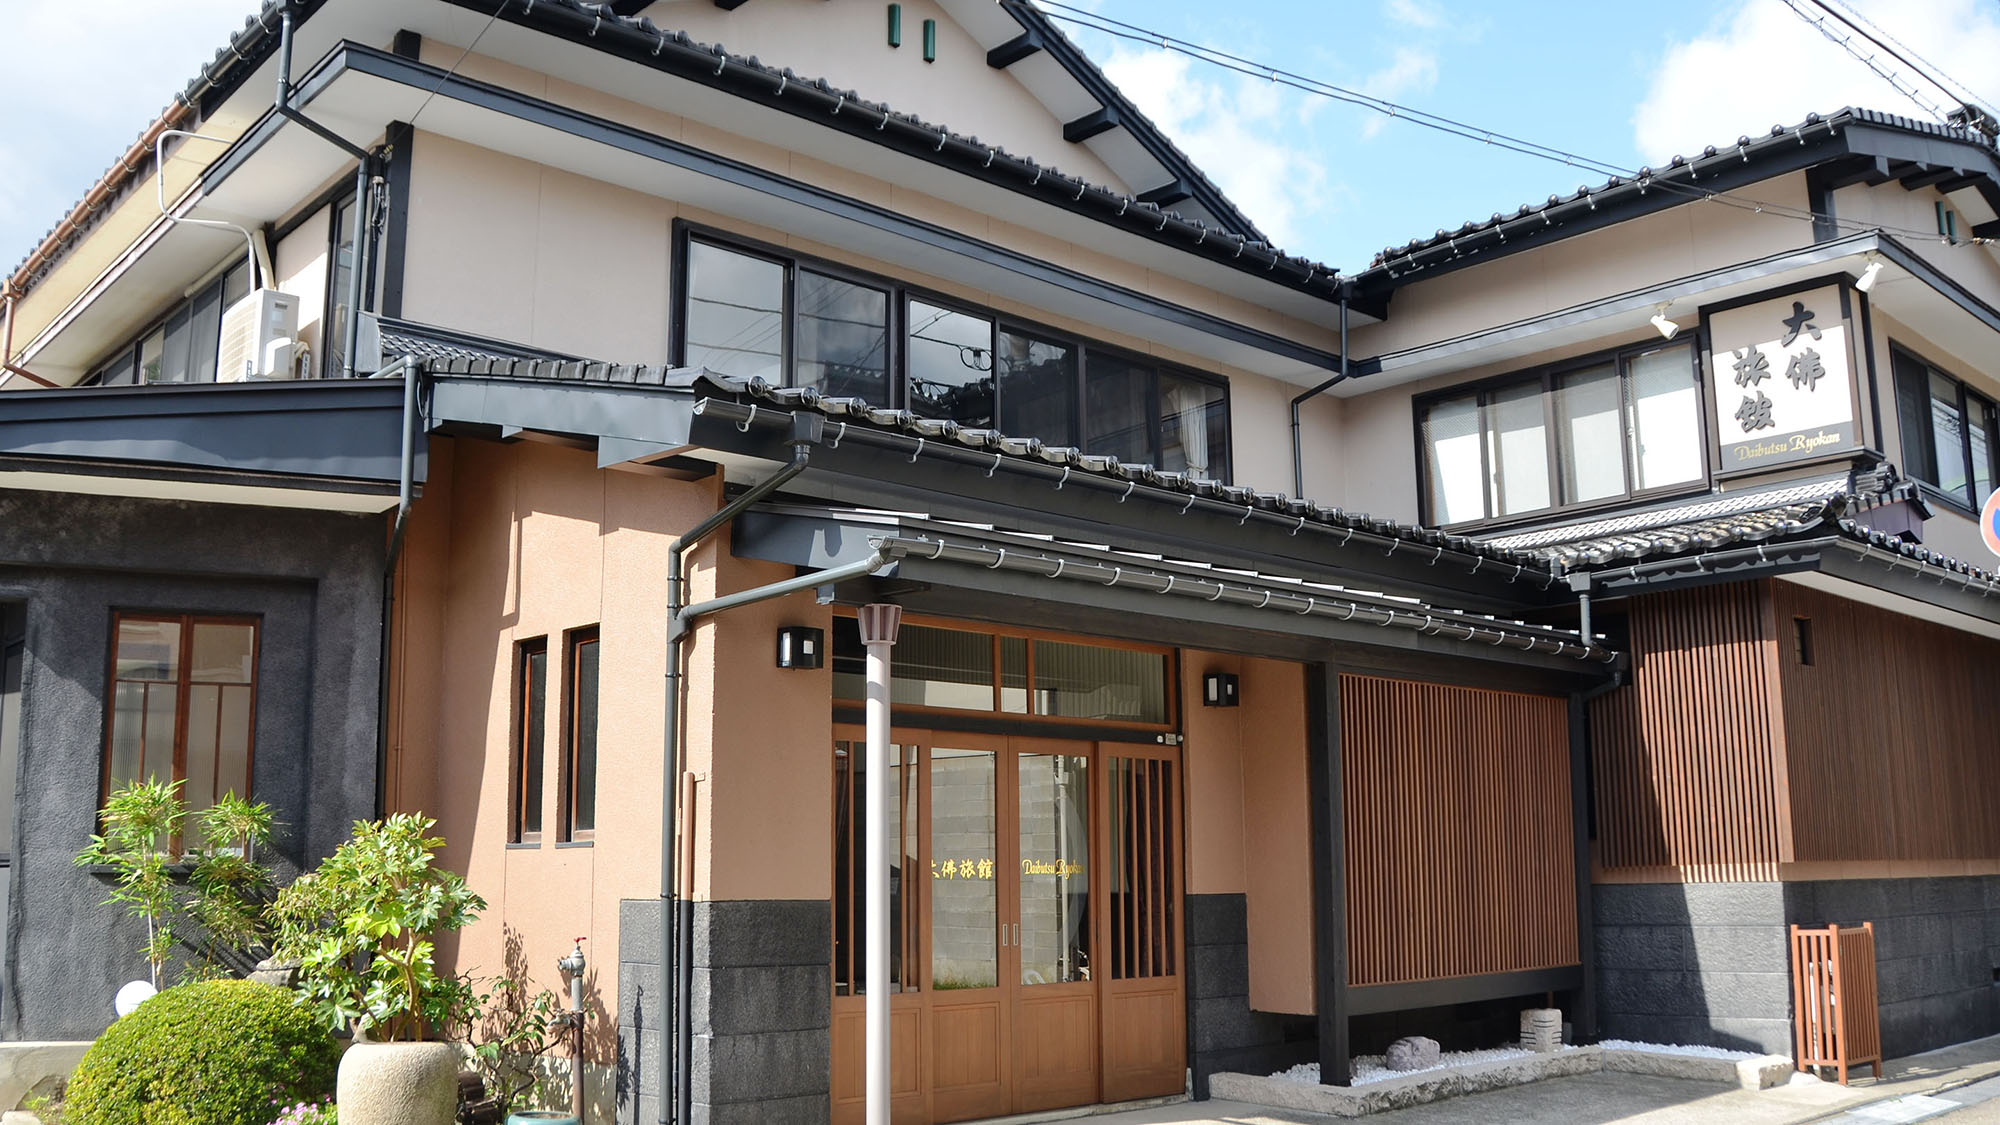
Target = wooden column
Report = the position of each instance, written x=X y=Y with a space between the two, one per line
x=1329 y=867
x=1583 y=1020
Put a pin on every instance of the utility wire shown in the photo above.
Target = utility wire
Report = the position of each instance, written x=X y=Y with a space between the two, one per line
x=1875 y=33
x=460 y=61
x=1846 y=43
x=1120 y=29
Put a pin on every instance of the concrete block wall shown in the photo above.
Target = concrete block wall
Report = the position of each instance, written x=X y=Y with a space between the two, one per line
x=1710 y=962
x=1224 y=1033
x=762 y=1010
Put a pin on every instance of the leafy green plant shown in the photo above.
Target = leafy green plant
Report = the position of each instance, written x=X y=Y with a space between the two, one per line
x=228 y=889
x=360 y=927
x=141 y=823
x=211 y=1053
x=508 y=1034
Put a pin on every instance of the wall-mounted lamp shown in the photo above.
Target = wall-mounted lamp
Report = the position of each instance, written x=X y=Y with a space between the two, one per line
x=1667 y=327
x=1867 y=279
x=801 y=646
x=1218 y=689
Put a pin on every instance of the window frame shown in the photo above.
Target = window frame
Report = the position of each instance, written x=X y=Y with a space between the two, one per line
x=901 y=293
x=183 y=692
x=128 y=356
x=518 y=751
x=1963 y=502
x=567 y=774
x=1548 y=378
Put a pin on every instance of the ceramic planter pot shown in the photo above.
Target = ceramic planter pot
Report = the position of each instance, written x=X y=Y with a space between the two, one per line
x=542 y=1117
x=399 y=1084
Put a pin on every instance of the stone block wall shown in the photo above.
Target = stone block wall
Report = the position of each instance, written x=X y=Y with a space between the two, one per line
x=762 y=1005
x=1224 y=1033
x=1710 y=962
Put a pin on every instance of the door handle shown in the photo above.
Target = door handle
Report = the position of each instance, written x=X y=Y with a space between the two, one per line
x=1017 y=935
x=1003 y=935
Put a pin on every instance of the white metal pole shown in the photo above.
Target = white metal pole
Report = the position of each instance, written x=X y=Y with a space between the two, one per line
x=879 y=623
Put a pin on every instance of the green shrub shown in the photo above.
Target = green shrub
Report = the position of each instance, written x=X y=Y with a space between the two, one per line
x=225 y=1052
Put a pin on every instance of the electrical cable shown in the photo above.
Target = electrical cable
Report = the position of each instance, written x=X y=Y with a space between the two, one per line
x=1846 y=43
x=1956 y=90
x=1120 y=29
x=452 y=71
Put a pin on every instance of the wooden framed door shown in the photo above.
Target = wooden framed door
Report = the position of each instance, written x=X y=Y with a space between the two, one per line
x=1143 y=986
x=1036 y=907
x=1053 y=942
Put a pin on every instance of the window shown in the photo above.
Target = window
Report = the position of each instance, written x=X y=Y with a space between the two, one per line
x=756 y=312
x=343 y=241
x=531 y=699
x=961 y=670
x=1951 y=434
x=183 y=704
x=182 y=347
x=1608 y=428
x=850 y=873
x=579 y=768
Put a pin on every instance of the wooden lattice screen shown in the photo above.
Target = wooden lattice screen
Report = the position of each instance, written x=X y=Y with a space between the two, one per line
x=1836 y=1022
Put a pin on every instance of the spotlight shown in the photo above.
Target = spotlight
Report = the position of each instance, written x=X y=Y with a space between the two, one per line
x=1867 y=279
x=1667 y=327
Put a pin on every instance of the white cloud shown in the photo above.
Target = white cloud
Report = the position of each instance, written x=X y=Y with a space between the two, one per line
x=1414 y=13
x=1248 y=135
x=1410 y=71
x=80 y=90
x=1759 y=64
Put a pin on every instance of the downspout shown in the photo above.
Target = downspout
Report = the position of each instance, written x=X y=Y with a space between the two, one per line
x=363 y=168
x=1298 y=455
x=677 y=909
x=406 y=487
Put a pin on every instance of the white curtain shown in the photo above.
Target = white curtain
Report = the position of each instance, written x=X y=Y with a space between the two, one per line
x=1188 y=406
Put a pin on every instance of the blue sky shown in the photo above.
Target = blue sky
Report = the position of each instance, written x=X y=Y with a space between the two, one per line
x=1628 y=83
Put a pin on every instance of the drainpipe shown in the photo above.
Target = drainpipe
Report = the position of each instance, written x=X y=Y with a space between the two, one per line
x=676 y=909
x=1298 y=456
x=406 y=487
x=879 y=624
x=362 y=170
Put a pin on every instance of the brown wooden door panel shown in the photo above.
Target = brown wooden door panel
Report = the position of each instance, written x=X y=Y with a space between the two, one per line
x=1145 y=1042
x=969 y=1072
x=1055 y=1047
x=908 y=1104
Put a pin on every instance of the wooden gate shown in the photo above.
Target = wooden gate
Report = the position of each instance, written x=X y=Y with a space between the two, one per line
x=1833 y=999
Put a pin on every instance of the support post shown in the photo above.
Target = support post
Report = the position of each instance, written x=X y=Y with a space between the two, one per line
x=1329 y=867
x=1583 y=1020
x=879 y=622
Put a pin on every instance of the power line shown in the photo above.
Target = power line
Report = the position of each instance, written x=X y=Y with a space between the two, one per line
x=1121 y=29
x=1956 y=90
x=1846 y=43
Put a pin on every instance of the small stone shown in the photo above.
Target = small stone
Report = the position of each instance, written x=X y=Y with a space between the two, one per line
x=1412 y=1052
x=283 y=974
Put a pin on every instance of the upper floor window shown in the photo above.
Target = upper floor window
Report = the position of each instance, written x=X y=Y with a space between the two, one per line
x=748 y=312
x=1608 y=428
x=531 y=710
x=1951 y=433
x=183 y=704
x=182 y=346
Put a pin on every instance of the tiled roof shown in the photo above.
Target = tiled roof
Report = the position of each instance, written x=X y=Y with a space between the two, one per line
x=1818 y=508
x=434 y=345
x=850 y=412
x=1681 y=174
x=638 y=39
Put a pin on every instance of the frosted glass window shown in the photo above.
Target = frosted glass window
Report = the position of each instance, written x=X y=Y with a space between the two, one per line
x=1456 y=469
x=1593 y=447
x=1518 y=449
x=182 y=706
x=1665 y=410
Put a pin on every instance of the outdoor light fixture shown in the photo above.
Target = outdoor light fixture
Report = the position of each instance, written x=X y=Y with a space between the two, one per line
x=801 y=646
x=1667 y=327
x=1866 y=281
x=1218 y=689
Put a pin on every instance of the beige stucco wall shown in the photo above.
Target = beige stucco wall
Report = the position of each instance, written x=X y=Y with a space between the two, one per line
x=299 y=261
x=1910 y=217
x=847 y=44
x=519 y=251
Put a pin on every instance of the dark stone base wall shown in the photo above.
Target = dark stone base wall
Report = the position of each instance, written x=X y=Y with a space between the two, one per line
x=762 y=1005
x=1224 y=1034
x=1710 y=962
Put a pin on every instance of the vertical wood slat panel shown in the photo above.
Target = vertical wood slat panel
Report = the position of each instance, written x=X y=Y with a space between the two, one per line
x=1460 y=860
x=1889 y=734
x=1686 y=760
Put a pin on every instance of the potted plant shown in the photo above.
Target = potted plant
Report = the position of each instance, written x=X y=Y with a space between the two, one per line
x=360 y=927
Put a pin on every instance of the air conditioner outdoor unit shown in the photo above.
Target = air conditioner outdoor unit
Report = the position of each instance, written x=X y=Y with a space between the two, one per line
x=259 y=334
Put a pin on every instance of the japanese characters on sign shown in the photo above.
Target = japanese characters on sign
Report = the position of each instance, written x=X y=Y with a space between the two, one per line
x=1783 y=381
x=983 y=868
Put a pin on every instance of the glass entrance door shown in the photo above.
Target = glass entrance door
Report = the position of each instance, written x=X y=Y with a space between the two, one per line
x=1055 y=1001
